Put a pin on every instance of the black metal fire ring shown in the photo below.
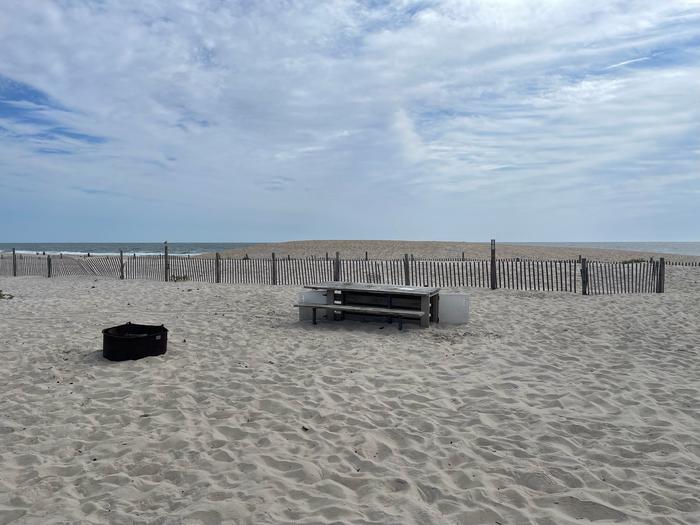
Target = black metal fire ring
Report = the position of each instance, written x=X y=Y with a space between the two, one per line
x=134 y=341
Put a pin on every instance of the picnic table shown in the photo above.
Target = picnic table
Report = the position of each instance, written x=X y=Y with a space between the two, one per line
x=380 y=300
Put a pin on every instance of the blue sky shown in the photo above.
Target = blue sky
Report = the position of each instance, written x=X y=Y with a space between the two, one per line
x=211 y=120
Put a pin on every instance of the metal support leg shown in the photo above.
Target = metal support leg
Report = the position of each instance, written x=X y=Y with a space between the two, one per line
x=400 y=323
x=435 y=309
x=313 y=315
x=425 y=308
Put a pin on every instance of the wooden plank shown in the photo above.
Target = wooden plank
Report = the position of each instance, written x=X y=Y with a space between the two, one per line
x=167 y=262
x=370 y=310
x=282 y=266
x=492 y=274
x=621 y=277
x=605 y=285
x=606 y=278
x=530 y=278
x=594 y=277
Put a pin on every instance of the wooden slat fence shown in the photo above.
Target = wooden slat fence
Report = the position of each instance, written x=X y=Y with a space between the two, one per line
x=304 y=271
x=150 y=267
x=246 y=271
x=556 y=276
x=623 y=278
x=372 y=271
x=192 y=269
x=6 y=265
x=515 y=274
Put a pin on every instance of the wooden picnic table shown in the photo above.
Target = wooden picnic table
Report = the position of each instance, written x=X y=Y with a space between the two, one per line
x=390 y=299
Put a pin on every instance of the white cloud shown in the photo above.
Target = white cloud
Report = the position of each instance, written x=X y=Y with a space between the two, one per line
x=208 y=104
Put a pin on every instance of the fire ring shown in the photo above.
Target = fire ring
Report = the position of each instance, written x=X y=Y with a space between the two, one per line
x=134 y=341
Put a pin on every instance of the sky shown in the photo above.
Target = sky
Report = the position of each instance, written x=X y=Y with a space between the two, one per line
x=271 y=120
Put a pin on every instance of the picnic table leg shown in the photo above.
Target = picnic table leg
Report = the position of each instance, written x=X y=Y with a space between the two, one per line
x=313 y=315
x=425 y=308
x=330 y=299
x=435 y=308
x=400 y=323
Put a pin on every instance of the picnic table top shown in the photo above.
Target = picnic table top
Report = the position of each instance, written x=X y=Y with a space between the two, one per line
x=375 y=288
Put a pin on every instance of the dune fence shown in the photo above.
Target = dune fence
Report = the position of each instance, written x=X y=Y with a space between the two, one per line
x=573 y=276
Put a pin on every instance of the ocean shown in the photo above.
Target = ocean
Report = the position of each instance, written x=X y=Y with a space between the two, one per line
x=195 y=248
x=112 y=248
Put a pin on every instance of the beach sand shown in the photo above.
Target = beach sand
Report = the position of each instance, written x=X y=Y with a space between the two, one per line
x=547 y=408
x=427 y=249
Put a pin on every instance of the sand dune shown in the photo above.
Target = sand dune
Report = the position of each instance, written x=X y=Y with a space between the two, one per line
x=397 y=249
x=546 y=408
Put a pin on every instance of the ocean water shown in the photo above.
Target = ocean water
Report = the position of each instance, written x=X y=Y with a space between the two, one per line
x=112 y=248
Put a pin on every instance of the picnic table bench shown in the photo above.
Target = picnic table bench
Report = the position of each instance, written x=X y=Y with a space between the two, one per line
x=388 y=301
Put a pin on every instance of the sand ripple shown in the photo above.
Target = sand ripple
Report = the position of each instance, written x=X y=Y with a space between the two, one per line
x=546 y=408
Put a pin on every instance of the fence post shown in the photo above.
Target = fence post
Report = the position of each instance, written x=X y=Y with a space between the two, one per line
x=274 y=269
x=217 y=267
x=661 y=277
x=584 y=276
x=121 y=264
x=14 y=263
x=366 y=256
x=406 y=271
x=494 y=284
x=48 y=266
x=167 y=262
x=336 y=267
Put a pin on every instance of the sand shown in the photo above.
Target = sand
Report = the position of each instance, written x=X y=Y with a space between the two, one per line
x=397 y=249
x=547 y=408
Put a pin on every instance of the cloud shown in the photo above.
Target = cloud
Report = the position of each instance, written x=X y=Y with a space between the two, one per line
x=238 y=110
x=626 y=62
